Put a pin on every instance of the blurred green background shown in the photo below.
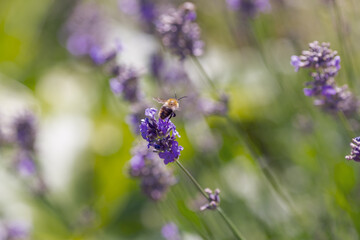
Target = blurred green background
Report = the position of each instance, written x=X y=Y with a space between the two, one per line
x=84 y=140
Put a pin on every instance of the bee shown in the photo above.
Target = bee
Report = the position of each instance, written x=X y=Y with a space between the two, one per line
x=169 y=107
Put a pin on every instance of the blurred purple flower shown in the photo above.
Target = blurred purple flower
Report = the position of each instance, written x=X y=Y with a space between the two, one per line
x=214 y=199
x=145 y=10
x=170 y=231
x=155 y=177
x=325 y=64
x=25 y=164
x=126 y=84
x=355 y=150
x=179 y=32
x=211 y=107
x=249 y=8
x=161 y=135
x=156 y=65
x=167 y=72
x=319 y=57
x=15 y=231
x=25 y=131
x=87 y=34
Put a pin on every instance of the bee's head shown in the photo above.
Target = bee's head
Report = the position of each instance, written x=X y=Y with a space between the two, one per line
x=172 y=103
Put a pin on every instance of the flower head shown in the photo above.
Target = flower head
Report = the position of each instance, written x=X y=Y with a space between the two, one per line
x=155 y=177
x=355 y=150
x=87 y=34
x=12 y=230
x=126 y=84
x=249 y=8
x=179 y=32
x=170 y=231
x=25 y=131
x=319 y=57
x=25 y=164
x=161 y=136
x=214 y=199
x=145 y=10
x=325 y=64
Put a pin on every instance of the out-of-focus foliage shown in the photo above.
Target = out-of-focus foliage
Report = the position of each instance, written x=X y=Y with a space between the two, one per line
x=278 y=159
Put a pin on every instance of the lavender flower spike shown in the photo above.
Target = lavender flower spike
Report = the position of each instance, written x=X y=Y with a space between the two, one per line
x=325 y=64
x=249 y=8
x=179 y=32
x=24 y=131
x=319 y=57
x=161 y=136
x=126 y=84
x=355 y=150
x=170 y=231
x=214 y=199
x=155 y=177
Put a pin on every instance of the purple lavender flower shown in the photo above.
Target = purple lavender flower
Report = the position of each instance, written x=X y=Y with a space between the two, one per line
x=249 y=8
x=145 y=10
x=24 y=131
x=167 y=72
x=25 y=164
x=155 y=177
x=319 y=57
x=87 y=34
x=355 y=150
x=170 y=231
x=179 y=32
x=14 y=231
x=126 y=84
x=325 y=64
x=211 y=107
x=156 y=65
x=161 y=135
x=214 y=199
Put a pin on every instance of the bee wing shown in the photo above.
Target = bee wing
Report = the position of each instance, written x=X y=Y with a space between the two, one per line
x=159 y=100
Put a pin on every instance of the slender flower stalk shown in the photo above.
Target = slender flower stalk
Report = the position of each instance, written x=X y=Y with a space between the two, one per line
x=240 y=134
x=227 y=220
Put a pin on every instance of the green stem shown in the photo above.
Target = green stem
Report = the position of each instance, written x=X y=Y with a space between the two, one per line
x=230 y=224
x=255 y=152
x=201 y=190
x=57 y=212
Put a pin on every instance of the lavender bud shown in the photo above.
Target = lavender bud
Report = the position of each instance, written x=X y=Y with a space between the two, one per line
x=25 y=164
x=249 y=8
x=87 y=35
x=14 y=231
x=161 y=136
x=24 y=131
x=214 y=199
x=155 y=177
x=211 y=107
x=179 y=32
x=355 y=150
x=126 y=84
x=170 y=231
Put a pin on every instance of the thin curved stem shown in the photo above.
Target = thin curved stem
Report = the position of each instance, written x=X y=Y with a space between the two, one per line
x=201 y=190
x=230 y=224
x=249 y=144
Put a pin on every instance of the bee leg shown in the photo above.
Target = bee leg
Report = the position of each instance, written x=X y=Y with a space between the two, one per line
x=171 y=115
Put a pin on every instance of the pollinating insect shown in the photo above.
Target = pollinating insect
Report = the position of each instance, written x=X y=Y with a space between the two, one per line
x=169 y=107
